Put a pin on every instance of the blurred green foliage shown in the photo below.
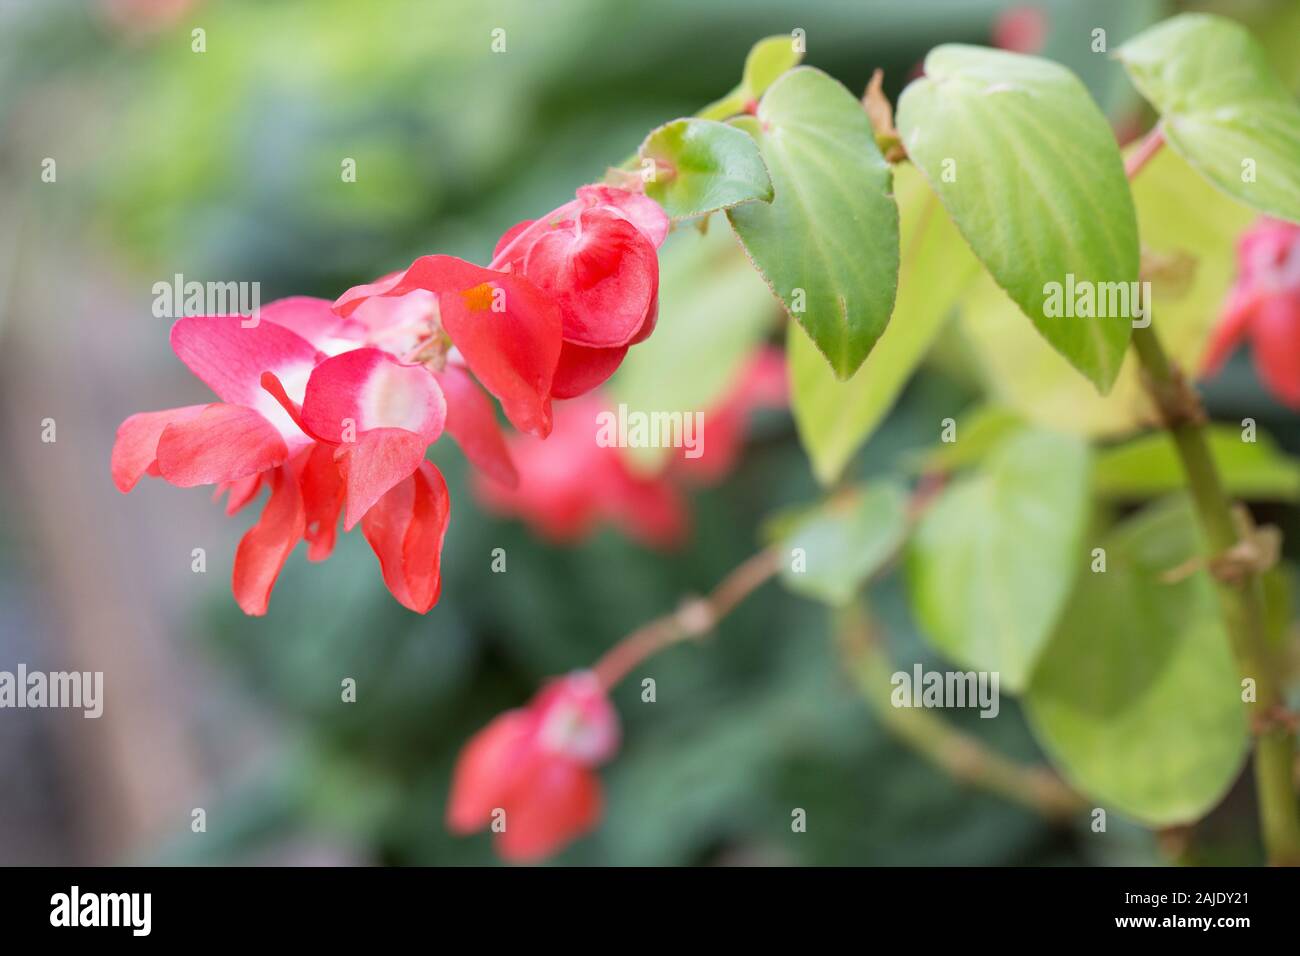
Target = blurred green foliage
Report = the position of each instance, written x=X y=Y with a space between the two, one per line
x=228 y=163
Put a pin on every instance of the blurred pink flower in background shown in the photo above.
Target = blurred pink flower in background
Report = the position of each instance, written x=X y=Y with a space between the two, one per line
x=1264 y=307
x=529 y=774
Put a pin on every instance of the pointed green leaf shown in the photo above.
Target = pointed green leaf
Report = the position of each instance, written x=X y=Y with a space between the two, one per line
x=1149 y=467
x=1137 y=698
x=828 y=242
x=702 y=166
x=1028 y=167
x=835 y=418
x=767 y=60
x=1222 y=107
x=1181 y=217
x=993 y=560
x=831 y=553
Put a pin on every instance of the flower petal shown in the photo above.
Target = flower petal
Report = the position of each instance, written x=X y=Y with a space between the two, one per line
x=405 y=529
x=371 y=390
x=230 y=358
x=556 y=801
x=507 y=329
x=374 y=463
x=582 y=368
x=486 y=770
x=603 y=273
x=1275 y=335
x=323 y=495
x=266 y=546
x=222 y=443
x=472 y=421
x=314 y=320
x=642 y=211
x=136 y=447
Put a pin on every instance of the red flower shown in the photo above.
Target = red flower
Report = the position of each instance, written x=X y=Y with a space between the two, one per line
x=327 y=435
x=763 y=382
x=570 y=483
x=333 y=407
x=528 y=774
x=597 y=256
x=1264 y=306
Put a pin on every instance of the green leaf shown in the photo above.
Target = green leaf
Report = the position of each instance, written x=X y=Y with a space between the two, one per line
x=993 y=560
x=702 y=166
x=714 y=311
x=1028 y=167
x=768 y=59
x=977 y=434
x=835 y=418
x=1137 y=698
x=1149 y=467
x=845 y=541
x=1180 y=216
x=828 y=243
x=1222 y=107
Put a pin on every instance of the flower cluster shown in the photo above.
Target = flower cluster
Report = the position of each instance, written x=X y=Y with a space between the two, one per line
x=332 y=406
x=1264 y=306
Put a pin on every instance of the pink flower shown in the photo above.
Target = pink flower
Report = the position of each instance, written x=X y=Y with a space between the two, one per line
x=571 y=483
x=327 y=435
x=529 y=773
x=597 y=256
x=1264 y=306
x=333 y=406
x=763 y=382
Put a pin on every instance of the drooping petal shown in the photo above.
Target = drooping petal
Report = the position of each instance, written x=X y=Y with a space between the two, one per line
x=266 y=546
x=136 y=447
x=405 y=528
x=472 y=421
x=486 y=770
x=239 y=492
x=556 y=801
x=322 y=495
x=221 y=443
x=230 y=358
x=370 y=389
x=603 y=274
x=582 y=368
x=643 y=212
x=374 y=463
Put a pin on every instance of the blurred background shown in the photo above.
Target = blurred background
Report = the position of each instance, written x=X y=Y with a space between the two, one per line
x=226 y=165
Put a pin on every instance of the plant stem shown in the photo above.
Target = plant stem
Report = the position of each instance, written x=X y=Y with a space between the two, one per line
x=695 y=618
x=962 y=756
x=1242 y=601
x=1147 y=149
